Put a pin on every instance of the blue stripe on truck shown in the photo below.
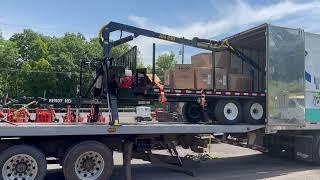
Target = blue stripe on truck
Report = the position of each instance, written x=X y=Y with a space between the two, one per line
x=307 y=76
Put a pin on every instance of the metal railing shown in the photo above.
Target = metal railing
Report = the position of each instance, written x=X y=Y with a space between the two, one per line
x=128 y=59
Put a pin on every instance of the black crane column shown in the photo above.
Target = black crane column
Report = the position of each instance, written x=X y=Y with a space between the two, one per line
x=106 y=92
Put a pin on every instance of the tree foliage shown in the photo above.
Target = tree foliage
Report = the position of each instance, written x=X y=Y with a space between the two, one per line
x=33 y=64
x=165 y=62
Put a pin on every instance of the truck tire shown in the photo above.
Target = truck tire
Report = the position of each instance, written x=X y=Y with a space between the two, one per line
x=228 y=112
x=254 y=112
x=22 y=162
x=88 y=160
x=192 y=112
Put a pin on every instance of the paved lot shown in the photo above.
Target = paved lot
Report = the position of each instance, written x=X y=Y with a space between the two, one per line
x=234 y=163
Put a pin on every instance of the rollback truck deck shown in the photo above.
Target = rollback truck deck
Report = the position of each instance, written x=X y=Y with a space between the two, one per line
x=284 y=61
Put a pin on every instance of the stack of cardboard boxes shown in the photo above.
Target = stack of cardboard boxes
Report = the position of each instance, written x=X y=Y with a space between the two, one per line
x=210 y=71
x=202 y=70
x=230 y=67
x=221 y=64
x=180 y=77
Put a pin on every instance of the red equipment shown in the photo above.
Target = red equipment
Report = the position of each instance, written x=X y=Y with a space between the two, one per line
x=126 y=82
x=90 y=116
x=154 y=115
x=20 y=116
x=44 y=115
x=71 y=117
x=2 y=114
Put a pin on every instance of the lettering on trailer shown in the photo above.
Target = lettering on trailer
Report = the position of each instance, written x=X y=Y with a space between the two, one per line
x=59 y=101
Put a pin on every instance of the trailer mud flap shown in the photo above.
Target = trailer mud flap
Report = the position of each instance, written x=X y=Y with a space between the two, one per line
x=303 y=148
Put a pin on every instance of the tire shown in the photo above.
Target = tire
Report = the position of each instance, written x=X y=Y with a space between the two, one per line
x=138 y=119
x=98 y=158
x=23 y=162
x=228 y=112
x=192 y=112
x=254 y=112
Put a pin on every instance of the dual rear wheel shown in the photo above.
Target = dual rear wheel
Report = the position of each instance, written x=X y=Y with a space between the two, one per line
x=23 y=162
x=87 y=160
x=227 y=112
x=233 y=112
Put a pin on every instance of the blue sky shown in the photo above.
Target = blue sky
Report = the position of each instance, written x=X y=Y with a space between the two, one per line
x=206 y=18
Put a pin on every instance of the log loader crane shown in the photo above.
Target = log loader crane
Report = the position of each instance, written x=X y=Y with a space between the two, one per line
x=105 y=87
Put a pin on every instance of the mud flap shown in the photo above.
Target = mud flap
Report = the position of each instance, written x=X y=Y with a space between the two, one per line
x=303 y=148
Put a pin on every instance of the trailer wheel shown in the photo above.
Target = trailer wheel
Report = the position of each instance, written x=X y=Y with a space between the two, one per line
x=22 y=162
x=192 y=112
x=88 y=160
x=228 y=112
x=253 y=112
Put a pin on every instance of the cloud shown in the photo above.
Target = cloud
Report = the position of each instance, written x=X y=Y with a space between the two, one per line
x=236 y=17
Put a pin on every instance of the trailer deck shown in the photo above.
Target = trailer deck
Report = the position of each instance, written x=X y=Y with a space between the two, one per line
x=49 y=129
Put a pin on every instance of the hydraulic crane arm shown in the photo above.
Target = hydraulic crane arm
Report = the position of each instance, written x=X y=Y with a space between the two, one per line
x=206 y=44
x=195 y=42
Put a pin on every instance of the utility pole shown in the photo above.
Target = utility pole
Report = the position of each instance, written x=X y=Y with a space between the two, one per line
x=181 y=52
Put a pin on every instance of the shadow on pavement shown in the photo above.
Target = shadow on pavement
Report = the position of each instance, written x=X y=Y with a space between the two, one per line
x=249 y=167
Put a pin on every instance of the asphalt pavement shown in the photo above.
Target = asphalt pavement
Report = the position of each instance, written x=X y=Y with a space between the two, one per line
x=234 y=163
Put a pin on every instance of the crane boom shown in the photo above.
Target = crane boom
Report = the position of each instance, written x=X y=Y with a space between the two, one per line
x=207 y=44
x=105 y=31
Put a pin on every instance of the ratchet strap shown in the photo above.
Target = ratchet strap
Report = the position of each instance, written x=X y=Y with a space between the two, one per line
x=162 y=95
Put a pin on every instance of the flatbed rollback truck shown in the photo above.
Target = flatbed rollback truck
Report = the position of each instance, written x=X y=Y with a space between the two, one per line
x=285 y=63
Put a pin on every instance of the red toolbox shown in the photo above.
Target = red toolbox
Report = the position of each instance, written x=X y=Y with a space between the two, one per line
x=44 y=115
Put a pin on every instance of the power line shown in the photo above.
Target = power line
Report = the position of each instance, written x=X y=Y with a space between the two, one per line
x=46 y=72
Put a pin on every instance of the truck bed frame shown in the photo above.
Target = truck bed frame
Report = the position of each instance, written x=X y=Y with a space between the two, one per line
x=51 y=129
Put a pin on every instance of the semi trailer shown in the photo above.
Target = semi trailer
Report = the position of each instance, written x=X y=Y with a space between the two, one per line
x=224 y=106
x=286 y=80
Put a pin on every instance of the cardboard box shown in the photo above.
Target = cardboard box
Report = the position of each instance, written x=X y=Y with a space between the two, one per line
x=182 y=76
x=222 y=59
x=239 y=82
x=221 y=81
x=168 y=78
x=236 y=65
x=202 y=60
x=203 y=78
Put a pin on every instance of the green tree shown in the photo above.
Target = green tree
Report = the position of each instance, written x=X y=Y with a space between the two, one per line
x=31 y=45
x=9 y=58
x=119 y=50
x=38 y=79
x=33 y=63
x=165 y=62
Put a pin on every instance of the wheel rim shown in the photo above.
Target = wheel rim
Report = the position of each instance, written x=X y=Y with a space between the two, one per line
x=20 y=167
x=89 y=165
x=256 y=111
x=230 y=111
